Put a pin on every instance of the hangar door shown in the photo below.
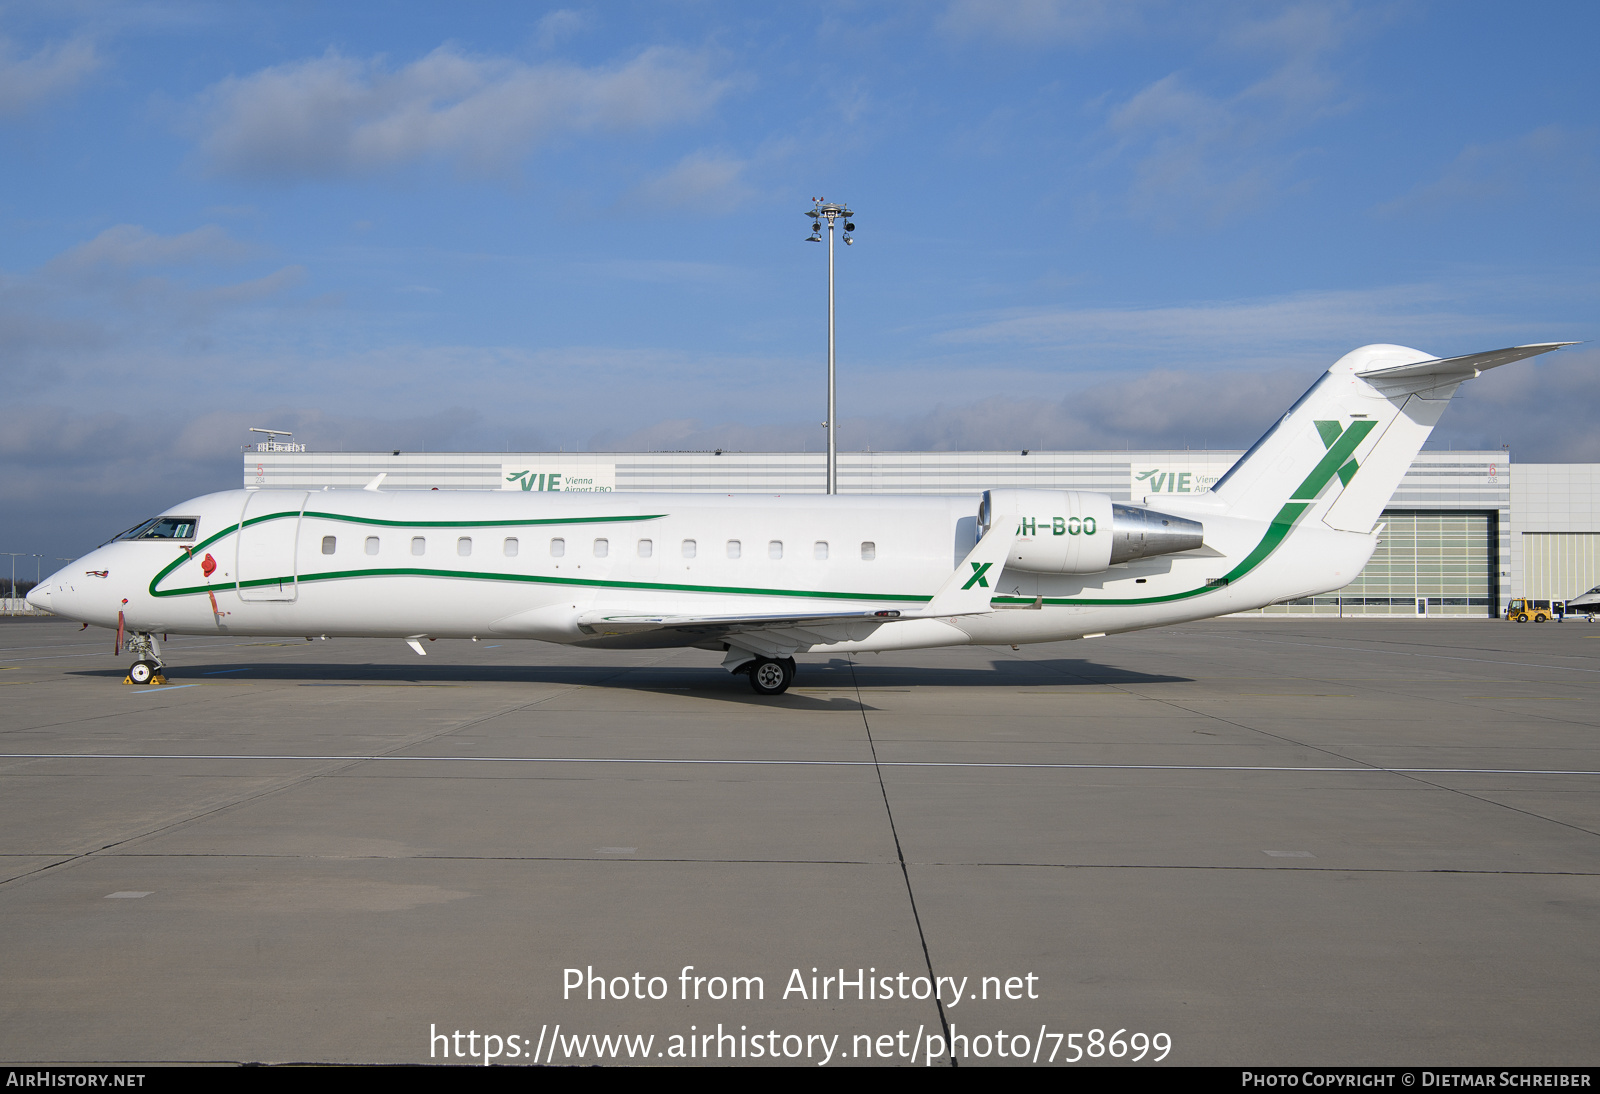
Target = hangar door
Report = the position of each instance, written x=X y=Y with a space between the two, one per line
x=1559 y=565
x=1442 y=557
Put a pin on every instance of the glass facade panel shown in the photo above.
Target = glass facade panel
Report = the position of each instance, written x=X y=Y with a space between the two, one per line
x=1447 y=558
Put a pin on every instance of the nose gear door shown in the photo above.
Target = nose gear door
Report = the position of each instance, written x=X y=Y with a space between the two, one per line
x=269 y=531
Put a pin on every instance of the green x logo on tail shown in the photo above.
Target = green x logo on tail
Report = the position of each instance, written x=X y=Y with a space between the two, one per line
x=1340 y=443
x=977 y=578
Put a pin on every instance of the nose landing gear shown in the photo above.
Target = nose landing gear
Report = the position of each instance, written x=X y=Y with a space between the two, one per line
x=147 y=669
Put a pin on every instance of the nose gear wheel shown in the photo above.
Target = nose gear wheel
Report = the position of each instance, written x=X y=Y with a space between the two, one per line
x=147 y=669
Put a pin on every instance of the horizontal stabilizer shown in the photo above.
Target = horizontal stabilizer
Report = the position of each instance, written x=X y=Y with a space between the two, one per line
x=1446 y=370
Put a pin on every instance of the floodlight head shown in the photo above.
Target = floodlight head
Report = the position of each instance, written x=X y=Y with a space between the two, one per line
x=849 y=226
x=848 y=240
x=813 y=238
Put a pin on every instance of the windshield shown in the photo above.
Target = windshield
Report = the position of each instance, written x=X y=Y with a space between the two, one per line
x=164 y=528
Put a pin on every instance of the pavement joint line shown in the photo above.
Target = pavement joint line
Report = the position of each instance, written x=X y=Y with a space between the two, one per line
x=1367 y=770
x=283 y=785
x=963 y=864
x=1414 y=774
x=900 y=856
x=1408 y=653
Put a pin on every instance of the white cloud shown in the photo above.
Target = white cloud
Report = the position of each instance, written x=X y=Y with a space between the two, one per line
x=1158 y=408
x=700 y=176
x=1551 y=157
x=337 y=116
x=126 y=305
x=558 y=26
x=1260 y=329
x=1206 y=157
x=128 y=245
x=26 y=81
x=1544 y=409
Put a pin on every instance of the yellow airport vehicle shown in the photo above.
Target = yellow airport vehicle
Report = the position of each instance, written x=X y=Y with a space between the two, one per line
x=1526 y=611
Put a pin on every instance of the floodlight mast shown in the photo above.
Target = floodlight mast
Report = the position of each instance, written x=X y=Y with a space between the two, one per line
x=824 y=209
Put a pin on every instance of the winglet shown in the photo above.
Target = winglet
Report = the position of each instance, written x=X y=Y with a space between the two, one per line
x=376 y=482
x=975 y=582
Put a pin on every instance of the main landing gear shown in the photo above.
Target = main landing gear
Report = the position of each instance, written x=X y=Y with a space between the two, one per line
x=771 y=676
x=147 y=669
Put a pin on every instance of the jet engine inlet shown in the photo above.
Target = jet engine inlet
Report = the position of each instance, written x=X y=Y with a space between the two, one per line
x=1140 y=533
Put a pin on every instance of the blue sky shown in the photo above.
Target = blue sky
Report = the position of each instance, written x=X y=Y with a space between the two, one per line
x=1081 y=225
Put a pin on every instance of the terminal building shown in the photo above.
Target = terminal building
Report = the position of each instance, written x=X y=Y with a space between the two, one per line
x=1465 y=532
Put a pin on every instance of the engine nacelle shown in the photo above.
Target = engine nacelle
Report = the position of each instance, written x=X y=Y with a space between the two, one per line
x=1077 y=532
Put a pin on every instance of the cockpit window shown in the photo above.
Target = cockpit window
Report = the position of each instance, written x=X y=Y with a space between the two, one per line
x=164 y=528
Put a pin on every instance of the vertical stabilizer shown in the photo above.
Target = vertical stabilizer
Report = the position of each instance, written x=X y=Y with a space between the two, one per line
x=1342 y=449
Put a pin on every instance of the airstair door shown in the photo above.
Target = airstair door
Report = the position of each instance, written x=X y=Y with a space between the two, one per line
x=269 y=531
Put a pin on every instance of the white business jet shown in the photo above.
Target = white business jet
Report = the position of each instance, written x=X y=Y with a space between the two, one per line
x=762 y=578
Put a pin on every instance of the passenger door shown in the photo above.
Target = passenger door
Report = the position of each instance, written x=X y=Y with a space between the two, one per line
x=269 y=529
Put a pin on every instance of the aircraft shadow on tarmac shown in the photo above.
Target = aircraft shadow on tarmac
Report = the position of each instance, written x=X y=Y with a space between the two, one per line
x=709 y=682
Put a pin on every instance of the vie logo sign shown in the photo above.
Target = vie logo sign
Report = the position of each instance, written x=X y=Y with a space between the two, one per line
x=1158 y=481
x=558 y=478
x=1179 y=473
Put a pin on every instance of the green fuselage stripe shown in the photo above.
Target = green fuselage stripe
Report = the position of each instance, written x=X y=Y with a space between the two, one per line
x=239 y=526
x=539 y=579
x=1277 y=531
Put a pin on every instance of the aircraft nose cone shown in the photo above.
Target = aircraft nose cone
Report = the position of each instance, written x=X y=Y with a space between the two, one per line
x=39 y=597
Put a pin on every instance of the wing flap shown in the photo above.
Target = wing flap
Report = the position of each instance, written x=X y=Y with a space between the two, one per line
x=710 y=626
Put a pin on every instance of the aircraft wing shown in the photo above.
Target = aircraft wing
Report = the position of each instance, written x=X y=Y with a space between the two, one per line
x=716 y=626
x=966 y=592
x=776 y=635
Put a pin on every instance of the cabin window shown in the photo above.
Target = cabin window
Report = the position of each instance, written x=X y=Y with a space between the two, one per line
x=688 y=548
x=733 y=548
x=558 y=547
x=646 y=548
x=602 y=548
x=372 y=545
x=464 y=546
x=419 y=545
x=819 y=550
x=869 y=551
x=511 y=547
x=775 y=548
x=329 y=543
